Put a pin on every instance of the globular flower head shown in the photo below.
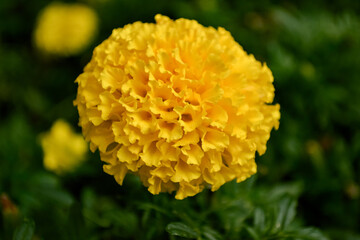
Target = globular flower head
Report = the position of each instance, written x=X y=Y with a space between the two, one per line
x=65 y=28
x=179 y=104
x=64 y=150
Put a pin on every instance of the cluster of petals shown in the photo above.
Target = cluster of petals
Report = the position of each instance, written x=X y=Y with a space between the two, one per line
x=64 y=149
x=179 y=104
x=65 y=28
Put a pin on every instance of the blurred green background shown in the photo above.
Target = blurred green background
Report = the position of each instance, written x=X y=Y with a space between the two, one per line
x=311 y=167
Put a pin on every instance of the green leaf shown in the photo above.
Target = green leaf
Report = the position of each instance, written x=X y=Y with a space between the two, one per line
x=292 y=189
x=310 y=234
x=252 y=232
x=286 y=213
x=182 y=230
x=211 y=234
x=25 y=231
x=47 y=186
x=259 y=219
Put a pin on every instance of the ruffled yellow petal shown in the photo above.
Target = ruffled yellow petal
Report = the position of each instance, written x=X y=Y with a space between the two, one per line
x=118 y=171
x=185 y=172
x=187 y=190
x=214 y=139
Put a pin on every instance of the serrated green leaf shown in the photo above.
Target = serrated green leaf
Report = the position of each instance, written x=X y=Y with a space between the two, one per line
x=25 y=231
x=182 y=230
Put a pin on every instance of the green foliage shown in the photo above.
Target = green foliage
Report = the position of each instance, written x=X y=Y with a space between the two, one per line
x=309 y=175
x=25 y=231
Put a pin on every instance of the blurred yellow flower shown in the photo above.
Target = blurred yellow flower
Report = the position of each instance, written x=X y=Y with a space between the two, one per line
x=65 y=29
x=179 y=104
x=63 y=149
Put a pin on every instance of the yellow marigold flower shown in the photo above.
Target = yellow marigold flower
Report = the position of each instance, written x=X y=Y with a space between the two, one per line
x=65 y=29
x=63 y=149
x=180 y=104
